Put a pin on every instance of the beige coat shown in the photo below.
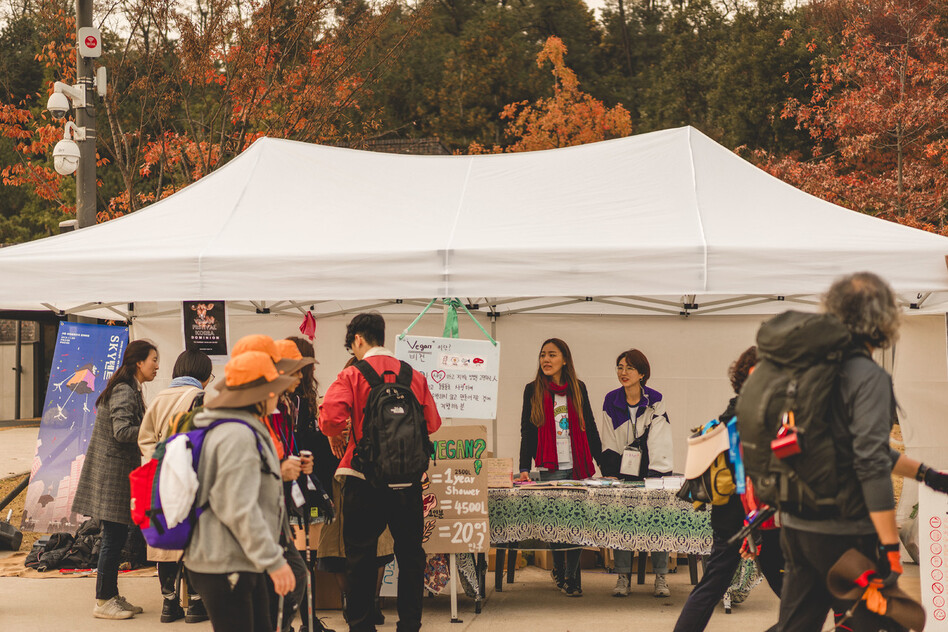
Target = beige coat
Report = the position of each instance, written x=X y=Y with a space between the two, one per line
x=154 y=428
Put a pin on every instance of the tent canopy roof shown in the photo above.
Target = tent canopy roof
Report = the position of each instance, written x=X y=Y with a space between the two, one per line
x=669 y=217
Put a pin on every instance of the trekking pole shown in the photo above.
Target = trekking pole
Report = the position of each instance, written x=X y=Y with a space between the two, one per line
x=309 y=575
x=279 y=626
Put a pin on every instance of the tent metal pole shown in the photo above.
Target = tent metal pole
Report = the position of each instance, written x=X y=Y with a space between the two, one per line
x=493 y=334
x=18 y=369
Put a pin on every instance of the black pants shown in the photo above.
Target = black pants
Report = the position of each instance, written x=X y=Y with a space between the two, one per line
x=235 y=602
x=719 y=571
x=168 y=580
x=368 y=510
x=114 y=535
x=805 y=600
x=293 y=599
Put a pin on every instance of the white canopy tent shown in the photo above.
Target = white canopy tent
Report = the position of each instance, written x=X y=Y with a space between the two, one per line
x=566 y=242
x=657 y=222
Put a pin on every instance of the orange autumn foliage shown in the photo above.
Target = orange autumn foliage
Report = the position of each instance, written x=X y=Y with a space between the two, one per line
x=569 y=117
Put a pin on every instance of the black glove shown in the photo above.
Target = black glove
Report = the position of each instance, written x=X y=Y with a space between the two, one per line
x=890 y=563
x=933 y=478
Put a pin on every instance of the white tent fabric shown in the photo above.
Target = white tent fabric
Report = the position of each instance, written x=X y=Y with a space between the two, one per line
x=660 y=216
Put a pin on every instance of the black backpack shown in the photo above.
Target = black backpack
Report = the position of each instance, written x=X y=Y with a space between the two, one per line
x=395 y=449
x=799 y=361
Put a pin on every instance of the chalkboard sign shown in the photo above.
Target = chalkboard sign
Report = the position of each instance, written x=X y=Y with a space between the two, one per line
x=455 y=492
x=462 y=374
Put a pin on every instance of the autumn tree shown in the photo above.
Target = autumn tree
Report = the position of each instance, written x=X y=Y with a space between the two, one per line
x=193 y=84
x=878 y=115
x=569 y=117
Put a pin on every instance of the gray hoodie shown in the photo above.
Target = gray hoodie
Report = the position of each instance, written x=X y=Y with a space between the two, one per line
x=240 y=530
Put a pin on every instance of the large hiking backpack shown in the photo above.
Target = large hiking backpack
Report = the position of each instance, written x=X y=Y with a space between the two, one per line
x=796 y=378
x=150 y=493
x=395 y=448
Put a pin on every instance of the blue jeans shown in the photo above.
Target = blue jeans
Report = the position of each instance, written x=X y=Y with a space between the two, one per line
x=114 y=535
x=565 y=556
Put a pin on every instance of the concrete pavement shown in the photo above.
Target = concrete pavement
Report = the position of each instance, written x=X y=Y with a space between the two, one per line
x=529 y=605
x=17 y=447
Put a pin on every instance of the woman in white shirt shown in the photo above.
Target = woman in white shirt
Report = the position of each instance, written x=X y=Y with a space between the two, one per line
x=558 y=432
x=636 y=443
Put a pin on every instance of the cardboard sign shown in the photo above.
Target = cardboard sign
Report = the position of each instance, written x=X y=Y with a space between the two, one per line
x=455 y=493
x=499 y=472
x=462 y=374
x=933 y=556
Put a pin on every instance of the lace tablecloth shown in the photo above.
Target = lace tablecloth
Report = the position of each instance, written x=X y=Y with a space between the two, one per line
x=627 y=518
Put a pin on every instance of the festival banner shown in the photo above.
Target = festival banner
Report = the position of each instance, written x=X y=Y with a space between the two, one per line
x=205 y=328
x=85 y=359
x=462 y=374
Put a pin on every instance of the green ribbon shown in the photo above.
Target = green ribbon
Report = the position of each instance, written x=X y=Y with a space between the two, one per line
x=451 y=328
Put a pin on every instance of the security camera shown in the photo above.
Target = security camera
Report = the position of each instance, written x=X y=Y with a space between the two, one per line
x=58 y=105
x=66 y=157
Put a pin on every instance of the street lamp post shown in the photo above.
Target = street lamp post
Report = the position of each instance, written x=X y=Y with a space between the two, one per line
x=85 y=118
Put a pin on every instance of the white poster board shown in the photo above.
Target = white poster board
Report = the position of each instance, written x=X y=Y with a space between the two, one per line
x=462 y=374
x=933 y=556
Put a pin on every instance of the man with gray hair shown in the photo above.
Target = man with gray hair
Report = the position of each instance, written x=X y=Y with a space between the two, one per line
x=861 y=416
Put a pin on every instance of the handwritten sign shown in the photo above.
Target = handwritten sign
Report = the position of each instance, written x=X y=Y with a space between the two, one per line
x=499 y=472
x=454 y=495
x=462 y=374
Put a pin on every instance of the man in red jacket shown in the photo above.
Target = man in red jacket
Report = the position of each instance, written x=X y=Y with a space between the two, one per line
x=369 y=509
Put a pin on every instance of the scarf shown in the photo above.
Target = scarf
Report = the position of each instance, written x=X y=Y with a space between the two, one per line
x=185 y=380
x=546 y=436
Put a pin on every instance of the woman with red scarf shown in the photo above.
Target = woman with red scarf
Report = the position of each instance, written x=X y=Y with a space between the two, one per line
x=558 y=432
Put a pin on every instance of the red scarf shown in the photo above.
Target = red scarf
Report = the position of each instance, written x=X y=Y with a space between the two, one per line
x=546 y=436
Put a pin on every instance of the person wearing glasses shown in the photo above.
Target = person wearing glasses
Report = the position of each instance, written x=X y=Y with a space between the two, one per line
x=191 y=375
x=636 y=443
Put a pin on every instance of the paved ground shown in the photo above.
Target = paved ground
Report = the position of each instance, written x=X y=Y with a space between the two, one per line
x=17 y=446
x=529 y=605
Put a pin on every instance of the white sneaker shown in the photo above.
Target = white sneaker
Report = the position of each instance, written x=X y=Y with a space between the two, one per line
x=622 y=588
x=128 y=606
x=661 y=587
x=112 y=609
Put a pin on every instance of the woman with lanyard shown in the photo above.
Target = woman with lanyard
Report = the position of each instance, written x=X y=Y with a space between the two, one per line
x=558 y=432
x=636 y=443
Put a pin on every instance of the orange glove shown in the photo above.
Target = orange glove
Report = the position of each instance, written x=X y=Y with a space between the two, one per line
x=875 y=602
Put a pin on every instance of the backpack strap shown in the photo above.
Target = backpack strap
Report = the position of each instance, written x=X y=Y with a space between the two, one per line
x=256 y=436
x=404 y=375
x=371 y=375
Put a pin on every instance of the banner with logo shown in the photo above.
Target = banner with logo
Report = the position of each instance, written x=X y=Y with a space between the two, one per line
x=86 y=357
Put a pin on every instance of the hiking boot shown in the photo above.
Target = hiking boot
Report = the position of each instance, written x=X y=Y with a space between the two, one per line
x=622 y=588
x=171 y=610
x=112 y=609
x=661 y=587
x=196 y=611
x=318 y=626
x=128 y=606
x=557 y=579
x=379 y=618
x=572 y=589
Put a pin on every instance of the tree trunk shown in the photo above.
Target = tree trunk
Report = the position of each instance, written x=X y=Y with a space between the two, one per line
x=626 y=44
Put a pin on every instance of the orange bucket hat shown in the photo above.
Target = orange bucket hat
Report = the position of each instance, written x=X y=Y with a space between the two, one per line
x=249 y=378
x=291 y=353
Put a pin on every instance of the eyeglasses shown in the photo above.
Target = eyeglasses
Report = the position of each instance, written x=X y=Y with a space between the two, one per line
x=625 y=369
x=212 y=377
